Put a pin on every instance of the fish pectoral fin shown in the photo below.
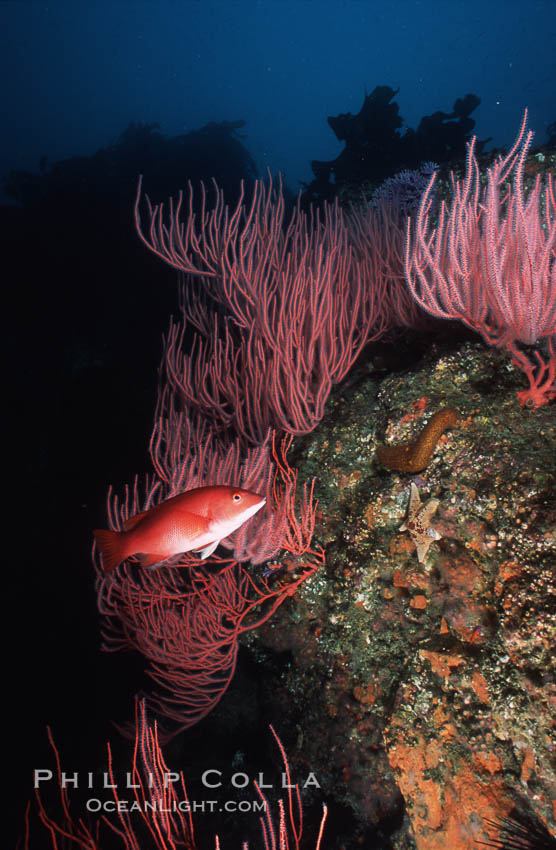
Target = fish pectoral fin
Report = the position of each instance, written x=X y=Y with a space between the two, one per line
x=208 y=550
x=192 y=525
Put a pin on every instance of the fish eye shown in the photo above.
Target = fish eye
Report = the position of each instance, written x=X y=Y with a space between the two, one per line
x=236 y=497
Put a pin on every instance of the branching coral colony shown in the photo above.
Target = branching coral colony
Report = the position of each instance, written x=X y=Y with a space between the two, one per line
x=490 y=261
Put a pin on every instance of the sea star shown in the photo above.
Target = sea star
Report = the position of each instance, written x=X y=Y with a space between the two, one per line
x=418 y=522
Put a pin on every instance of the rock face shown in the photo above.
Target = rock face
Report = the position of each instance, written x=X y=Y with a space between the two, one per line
x=423 y=695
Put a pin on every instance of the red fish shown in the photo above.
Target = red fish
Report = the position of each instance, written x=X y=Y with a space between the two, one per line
x=196 y=520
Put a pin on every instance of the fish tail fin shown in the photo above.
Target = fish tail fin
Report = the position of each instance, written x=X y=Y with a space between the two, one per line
x=111 y=545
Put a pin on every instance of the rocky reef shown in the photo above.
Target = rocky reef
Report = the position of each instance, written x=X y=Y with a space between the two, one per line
x=423 y=694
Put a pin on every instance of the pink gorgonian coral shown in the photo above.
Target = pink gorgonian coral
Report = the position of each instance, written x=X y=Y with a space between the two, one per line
x=490 y=261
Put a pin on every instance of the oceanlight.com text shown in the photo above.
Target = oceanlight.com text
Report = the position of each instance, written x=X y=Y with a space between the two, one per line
x=160 y=807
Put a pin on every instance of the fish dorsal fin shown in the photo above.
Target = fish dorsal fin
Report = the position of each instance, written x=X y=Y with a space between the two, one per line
x=133 y=520
x=198 y=522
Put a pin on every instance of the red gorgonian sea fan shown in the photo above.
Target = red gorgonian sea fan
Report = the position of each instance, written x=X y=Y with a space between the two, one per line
x=282 y=309
x=158 y=809
x=490 y=261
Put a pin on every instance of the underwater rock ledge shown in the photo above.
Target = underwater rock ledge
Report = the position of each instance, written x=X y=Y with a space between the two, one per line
x=435 y=681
